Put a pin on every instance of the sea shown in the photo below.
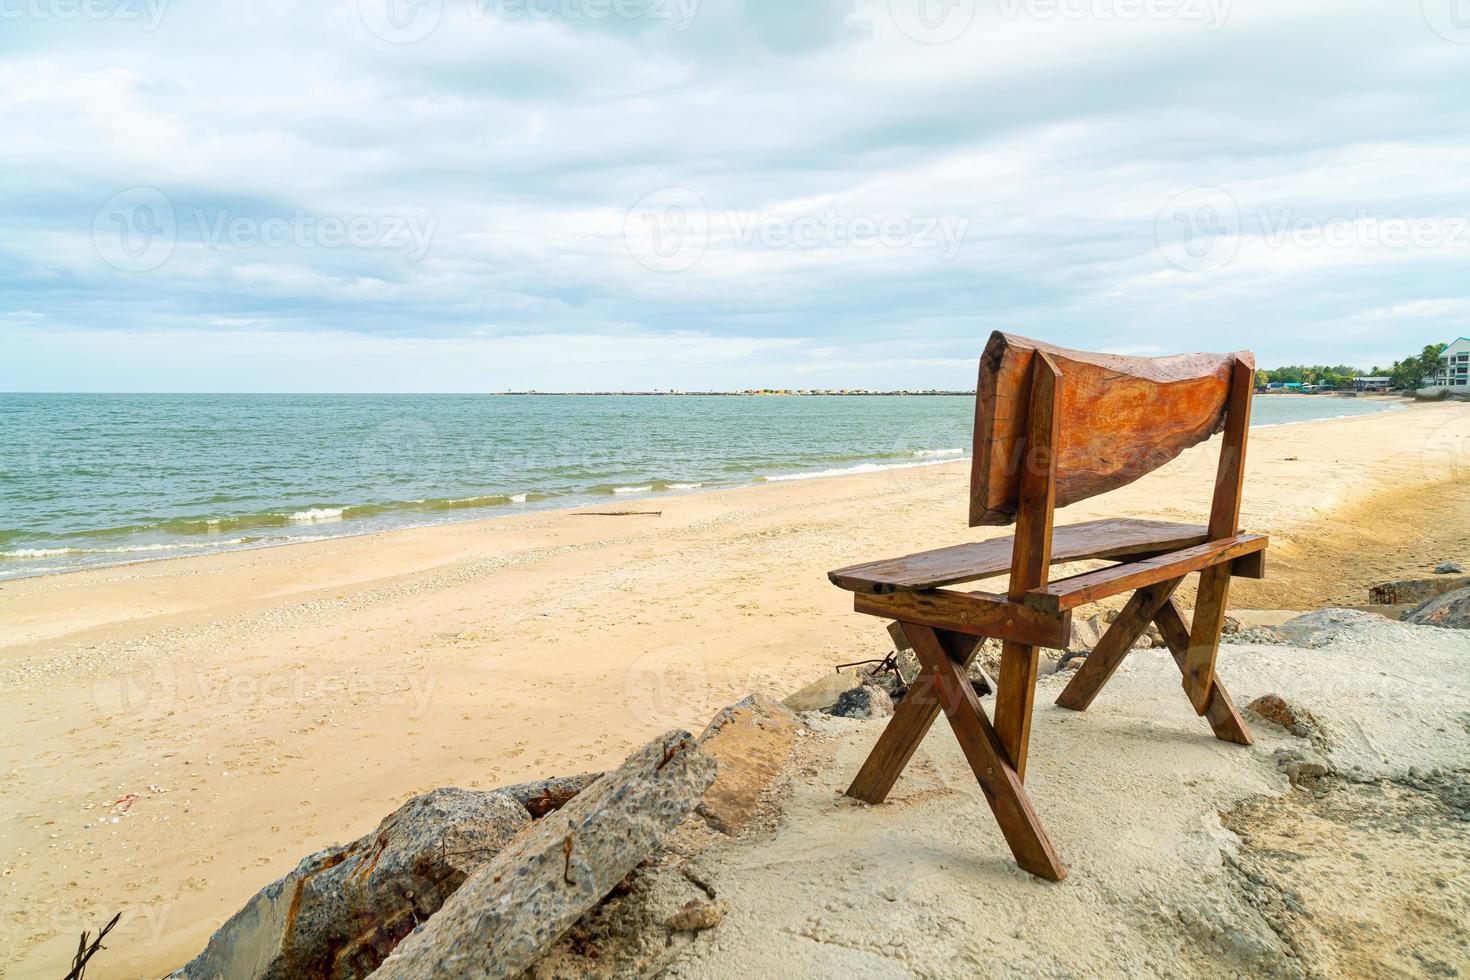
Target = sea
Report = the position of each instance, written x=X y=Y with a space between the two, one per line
x=98 y=479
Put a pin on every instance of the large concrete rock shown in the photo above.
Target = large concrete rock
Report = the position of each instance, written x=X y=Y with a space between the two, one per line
x=1415 y=590
x=508 y=912
x=1320 y=627
x=823 y=692
x=751 y=740
x=344 y=909
x=868 y=701
x=1451 y=610
x=548 y=795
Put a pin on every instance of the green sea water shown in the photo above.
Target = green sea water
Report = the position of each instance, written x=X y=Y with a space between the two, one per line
x=101 y=479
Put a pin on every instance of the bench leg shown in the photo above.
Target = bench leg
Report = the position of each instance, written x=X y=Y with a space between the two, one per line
x=999 y=780
x=1204 y=635
x=1113 y=648
x=1219 y=709
x=910 y=723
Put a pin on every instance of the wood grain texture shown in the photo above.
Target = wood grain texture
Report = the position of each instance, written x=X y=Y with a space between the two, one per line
x=1113 y=648
x=1107 y=538
x=1015 y=691
x=1068 y=593
x=1120 y=418
x=1214 y=582
x=972 y=613
x=910 y=723
x=1220 y=711
x=998 y=780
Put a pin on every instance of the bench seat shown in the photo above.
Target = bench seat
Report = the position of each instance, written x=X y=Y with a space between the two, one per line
x=1110 y=538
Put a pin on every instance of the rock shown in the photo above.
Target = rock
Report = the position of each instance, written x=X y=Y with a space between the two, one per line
x=1232 y=626
x=1086 y=633
x=1144 y=642
x=879 y=676
x=1277 y=710
x=1258 y=635
x=1415 y=590
x=1315 y=629
x=344 y=909
x=979 y=679
x=908 y=666
x=1451 y=611
x=865 y=701
x=1072 y=661
x=698 y=915
x=548 y=795
x=1302 y=772
x=1448 y=568
x=751 y=741
x=511 y=909
x=822 y=693
x=987 y=658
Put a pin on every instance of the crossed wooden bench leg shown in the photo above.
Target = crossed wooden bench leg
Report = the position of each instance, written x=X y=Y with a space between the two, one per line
x=942 y=684
x=1154 y=603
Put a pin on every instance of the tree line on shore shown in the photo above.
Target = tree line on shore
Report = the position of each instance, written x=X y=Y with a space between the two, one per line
x=1407 y=373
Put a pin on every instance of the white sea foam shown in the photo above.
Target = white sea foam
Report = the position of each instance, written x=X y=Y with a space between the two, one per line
x=937 y=452
x=126 y=550
x=683 y=486
x=315 y=515
x=517 y=498
x=852 y=470
x=632 y=489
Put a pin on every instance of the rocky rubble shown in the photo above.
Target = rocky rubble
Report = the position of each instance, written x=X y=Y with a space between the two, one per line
x=1451 y=610
x=506 y=914
x=344 y=909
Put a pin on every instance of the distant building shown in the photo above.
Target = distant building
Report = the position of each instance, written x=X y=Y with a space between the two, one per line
x=1371 y=384
x=1454 y=367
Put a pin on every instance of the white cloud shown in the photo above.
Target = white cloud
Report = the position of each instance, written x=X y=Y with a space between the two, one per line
x=1055 y=140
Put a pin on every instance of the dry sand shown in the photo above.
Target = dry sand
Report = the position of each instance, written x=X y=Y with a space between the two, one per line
x=263 y=704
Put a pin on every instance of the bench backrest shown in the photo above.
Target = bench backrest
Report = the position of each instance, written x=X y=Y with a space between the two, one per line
x=1116 y=417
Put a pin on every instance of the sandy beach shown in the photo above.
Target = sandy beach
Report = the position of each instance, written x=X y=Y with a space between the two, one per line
x=179 y=733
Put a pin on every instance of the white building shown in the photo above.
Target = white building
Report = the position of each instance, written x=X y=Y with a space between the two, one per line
x=1454 y=367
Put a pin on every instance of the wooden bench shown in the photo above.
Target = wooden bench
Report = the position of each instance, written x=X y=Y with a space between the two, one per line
x=1052 y=427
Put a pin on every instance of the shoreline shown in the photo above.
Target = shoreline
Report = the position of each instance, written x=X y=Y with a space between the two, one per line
x=320 y=515
x=261 y=704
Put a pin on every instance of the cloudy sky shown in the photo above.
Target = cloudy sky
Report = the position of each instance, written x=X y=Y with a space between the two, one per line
x=469 y=195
